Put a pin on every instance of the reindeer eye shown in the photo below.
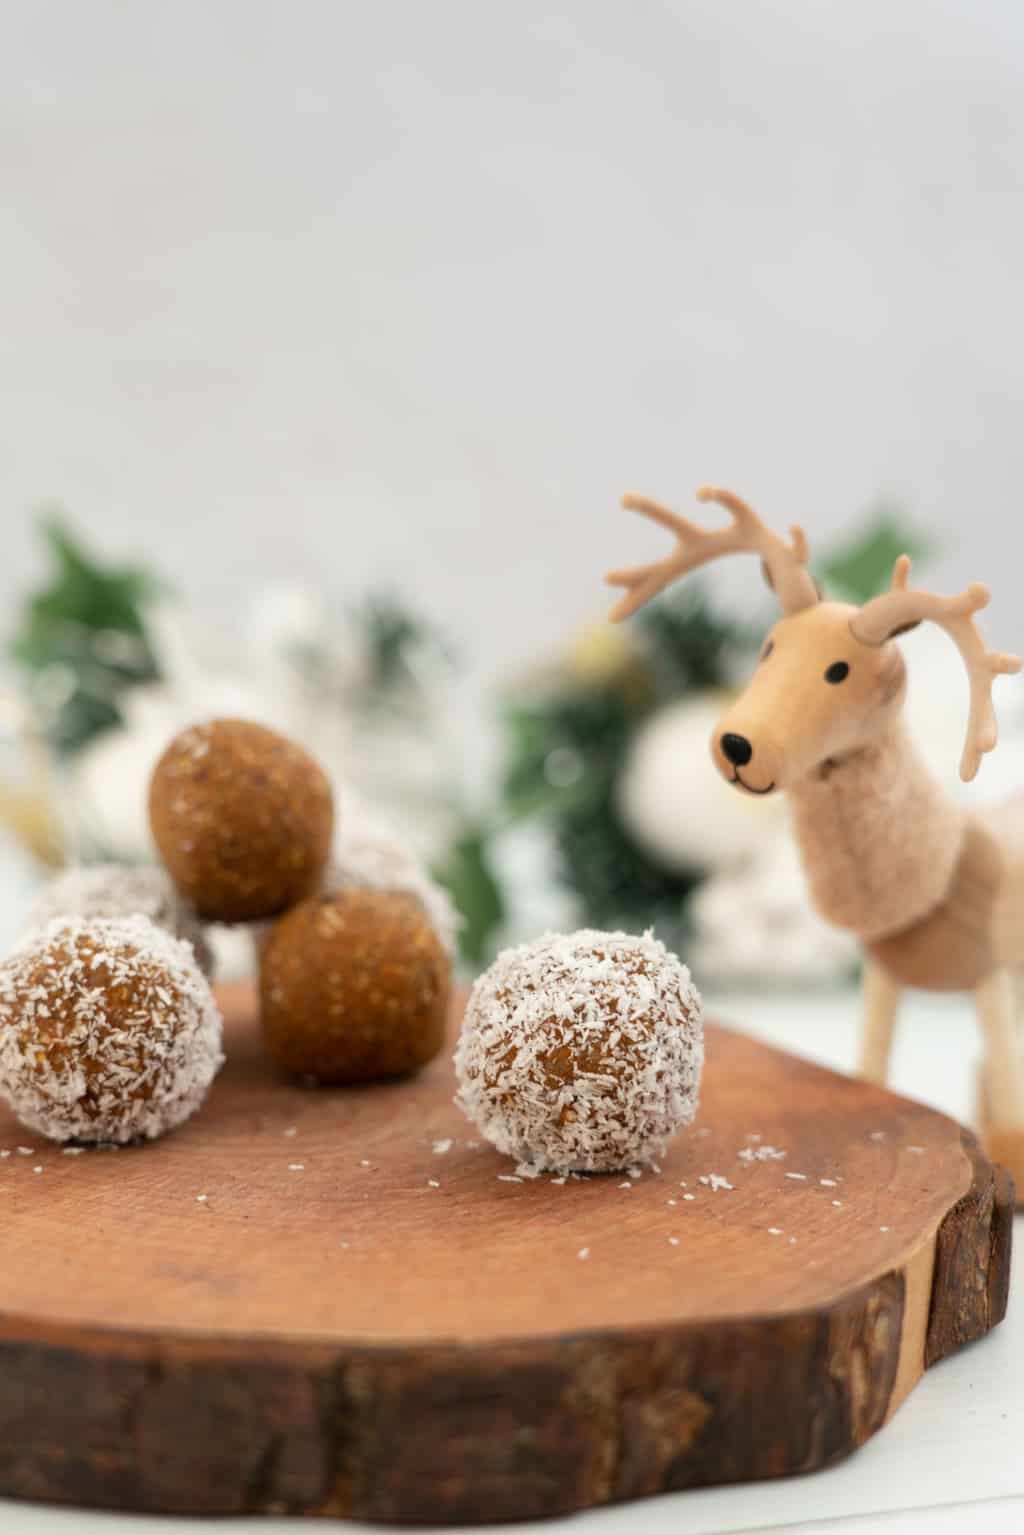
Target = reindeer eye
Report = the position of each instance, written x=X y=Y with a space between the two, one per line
x=838 y=671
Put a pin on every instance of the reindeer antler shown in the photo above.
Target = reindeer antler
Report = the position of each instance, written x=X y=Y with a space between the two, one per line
x=785 y=564
x=900 y=609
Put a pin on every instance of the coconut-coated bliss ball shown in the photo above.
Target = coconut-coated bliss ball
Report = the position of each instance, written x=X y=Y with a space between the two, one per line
x=370 y=855
x=582 y=1052
x=354 y=985
x=108 y=1030
x=243 y=819
x=114 y=890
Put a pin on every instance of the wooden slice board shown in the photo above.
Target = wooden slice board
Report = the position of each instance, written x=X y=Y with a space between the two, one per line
x=351 y=1322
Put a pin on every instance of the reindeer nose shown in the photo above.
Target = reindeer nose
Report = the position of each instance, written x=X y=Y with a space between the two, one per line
x=737 y=749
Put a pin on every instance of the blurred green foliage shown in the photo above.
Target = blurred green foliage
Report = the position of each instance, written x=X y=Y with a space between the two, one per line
x=82 y=640
x=862 y=567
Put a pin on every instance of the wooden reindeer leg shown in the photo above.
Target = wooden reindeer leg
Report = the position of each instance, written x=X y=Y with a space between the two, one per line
x=881 y=1000
x=997 y=1021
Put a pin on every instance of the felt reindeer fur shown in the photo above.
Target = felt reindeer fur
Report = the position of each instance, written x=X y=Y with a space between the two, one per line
x=935 y=892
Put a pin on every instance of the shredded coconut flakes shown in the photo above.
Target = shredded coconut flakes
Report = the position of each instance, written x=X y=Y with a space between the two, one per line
x=582 y=1052
x=760 y=1154
x=75 y=1065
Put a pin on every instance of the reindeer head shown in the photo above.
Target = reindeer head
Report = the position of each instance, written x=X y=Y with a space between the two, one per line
x=829 y=680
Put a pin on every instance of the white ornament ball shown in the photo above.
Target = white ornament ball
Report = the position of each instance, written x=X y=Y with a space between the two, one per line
x=675 y=804
x=108 y=1030
x=582 y=1053
x=757 y=926
x=120 y=890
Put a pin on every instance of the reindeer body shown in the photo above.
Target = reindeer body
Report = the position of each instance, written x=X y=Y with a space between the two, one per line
x=924 y=883
x=934 y=891
x=879 y=840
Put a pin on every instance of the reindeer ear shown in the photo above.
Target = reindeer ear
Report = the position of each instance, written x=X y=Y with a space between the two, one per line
x=915 y=623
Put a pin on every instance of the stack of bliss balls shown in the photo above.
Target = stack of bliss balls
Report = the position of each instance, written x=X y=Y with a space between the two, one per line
x=109 y=1031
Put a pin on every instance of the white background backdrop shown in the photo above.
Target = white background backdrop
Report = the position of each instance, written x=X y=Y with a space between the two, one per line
x=350 y=292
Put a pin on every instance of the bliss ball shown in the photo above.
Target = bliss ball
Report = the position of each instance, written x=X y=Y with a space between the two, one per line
x=242 y=818
x=369 y=855
x=116 y=890
x=354 y=985
x=108 y=1030
x=582 y=1053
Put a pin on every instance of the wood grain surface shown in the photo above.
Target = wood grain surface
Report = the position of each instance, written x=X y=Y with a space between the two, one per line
x=352 y=1322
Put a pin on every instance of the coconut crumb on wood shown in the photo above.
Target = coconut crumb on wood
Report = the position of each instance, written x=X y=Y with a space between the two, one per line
x=760 y=1154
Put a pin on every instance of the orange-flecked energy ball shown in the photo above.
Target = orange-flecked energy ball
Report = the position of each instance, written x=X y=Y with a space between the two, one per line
x=243 y=819
x=354 y=985
x=108 y=1030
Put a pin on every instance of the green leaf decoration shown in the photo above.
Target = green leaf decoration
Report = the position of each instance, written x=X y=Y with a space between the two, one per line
x=565 y=746
x=83 y=640
x=689 y=644
x=862 y=567
x=467 y=875
x=396 y=637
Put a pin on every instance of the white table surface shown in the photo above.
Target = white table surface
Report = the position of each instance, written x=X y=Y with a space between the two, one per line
x=950 y=1461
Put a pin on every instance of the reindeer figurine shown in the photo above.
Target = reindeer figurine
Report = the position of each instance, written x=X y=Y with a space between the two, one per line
x=934 y=891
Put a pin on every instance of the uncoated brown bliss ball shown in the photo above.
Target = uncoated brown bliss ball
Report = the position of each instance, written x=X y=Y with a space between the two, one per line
x=243 y=819
x=354 y=985
x=108 y=1030
x=582 y=1052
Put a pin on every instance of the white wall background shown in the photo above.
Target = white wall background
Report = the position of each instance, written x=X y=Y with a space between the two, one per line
x=350 y=291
